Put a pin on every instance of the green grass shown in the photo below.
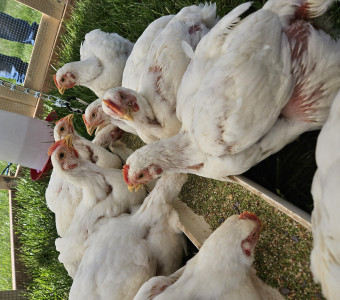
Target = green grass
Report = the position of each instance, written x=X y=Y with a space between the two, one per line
x=5 y=245
x=282 y=258
x=48 y=278
x=283 y=250
x=15 y=49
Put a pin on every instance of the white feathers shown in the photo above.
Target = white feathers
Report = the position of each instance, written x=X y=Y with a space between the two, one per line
x=154 y=77
x=209 y=99
x=220 y=270
x=247 y=92
x=126 y=251
x=102 y=61
x=325 y=257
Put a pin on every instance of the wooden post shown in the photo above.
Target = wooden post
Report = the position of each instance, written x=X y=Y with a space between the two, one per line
x=50 y=8
x=7 y=182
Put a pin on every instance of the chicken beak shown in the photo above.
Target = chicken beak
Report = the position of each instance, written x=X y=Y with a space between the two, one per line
x=61 y=90
x=68 y=141
x=69 y=119
x=134 y=188
x=91 y=128
x=128 y=116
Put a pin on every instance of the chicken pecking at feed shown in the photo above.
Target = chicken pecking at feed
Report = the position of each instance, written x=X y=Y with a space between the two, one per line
x=102 y=61
x=124 y=252
x=291 y=72
x=147 y=100
x=104 y=195
x=221 y=269
x=325 y=256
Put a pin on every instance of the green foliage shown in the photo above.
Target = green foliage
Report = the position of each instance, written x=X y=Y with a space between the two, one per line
x=5 y=245
x=36 y=225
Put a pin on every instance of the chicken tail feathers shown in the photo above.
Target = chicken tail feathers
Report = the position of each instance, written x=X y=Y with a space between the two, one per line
x=297 y=9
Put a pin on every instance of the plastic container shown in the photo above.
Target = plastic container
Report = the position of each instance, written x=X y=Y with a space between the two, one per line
x=24 y=140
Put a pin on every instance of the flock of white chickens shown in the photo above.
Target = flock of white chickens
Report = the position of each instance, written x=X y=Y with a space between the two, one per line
x=208 y=96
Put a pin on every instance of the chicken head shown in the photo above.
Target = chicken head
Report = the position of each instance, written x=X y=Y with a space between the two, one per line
x=64 y=80
x=64 y=155
x=120 y=103
x=94 y=117
x=63 y=127
x=135 y=180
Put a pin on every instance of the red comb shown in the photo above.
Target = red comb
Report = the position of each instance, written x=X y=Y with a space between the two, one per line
x=125 y=173
x=84 y=119
x=55 y=80
x=249 y=216
x=55 y=146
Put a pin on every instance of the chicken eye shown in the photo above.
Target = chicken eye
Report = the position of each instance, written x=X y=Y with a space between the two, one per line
x=62 y=79
x=141 y=176
x=61 y=155
x=93 y=115
x=62 y=128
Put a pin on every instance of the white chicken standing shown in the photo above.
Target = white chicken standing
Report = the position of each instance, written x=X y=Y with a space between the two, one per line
x=147 y=102
x=126 y=251
x=102 y=61
x=94 y=115
x=226 y=129
x=325 y=256
x=104 y=195
x=220 y=270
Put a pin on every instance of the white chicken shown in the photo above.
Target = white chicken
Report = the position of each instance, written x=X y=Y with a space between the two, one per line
x=220 y=270
x=107 y=135
x=62 y=197
x=87 y=150
x=94 y=115
x=102 y=61
x=104 y=195
x=226 y=129
x=148 y=102
x=325 y=257
x=126 y=251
